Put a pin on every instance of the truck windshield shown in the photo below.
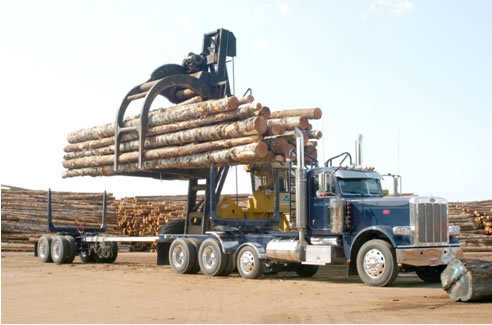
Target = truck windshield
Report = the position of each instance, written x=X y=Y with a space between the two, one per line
x=360 y=186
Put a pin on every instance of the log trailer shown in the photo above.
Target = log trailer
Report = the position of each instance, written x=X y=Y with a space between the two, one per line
x=336 y=214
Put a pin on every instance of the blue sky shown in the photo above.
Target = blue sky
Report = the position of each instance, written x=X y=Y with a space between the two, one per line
x=420 y=69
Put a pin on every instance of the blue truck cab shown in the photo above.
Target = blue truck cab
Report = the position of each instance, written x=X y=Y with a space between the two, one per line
x=339 y=215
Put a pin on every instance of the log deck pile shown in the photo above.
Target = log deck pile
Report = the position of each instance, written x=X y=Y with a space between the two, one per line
x=25 y=217
x=475 y=221
x=223 y=132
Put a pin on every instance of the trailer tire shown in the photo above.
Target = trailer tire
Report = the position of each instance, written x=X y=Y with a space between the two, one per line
x=211 y=258
x=87 y=257
x=249 y=264
x=175 y=226
x=60 y=250
x=44 y=249
x=182 y=256
x=72 y=244
x=306 y=271
x=114 y=253
x=376 y=263
x=430 y=274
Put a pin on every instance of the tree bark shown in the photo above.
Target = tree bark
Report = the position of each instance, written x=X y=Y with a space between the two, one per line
x=160 y=117
x=309 y=113
x=232 y=156
x=243 y=112
x=313 y=134
x=165 y=152
x=468 y=280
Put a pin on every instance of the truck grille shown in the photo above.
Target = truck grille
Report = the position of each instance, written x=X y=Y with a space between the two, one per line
x=431 y=223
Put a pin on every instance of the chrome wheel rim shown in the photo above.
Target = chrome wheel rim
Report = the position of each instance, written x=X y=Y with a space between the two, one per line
x=56 y=249
x=178 y=256
x=43 y=248
x=209 y=258
x=374 y=263
x=247 y=262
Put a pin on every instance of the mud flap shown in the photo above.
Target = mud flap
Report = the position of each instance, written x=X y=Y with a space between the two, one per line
x=163 y=253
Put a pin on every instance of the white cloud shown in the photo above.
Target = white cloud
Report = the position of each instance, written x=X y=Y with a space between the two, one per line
x=363 y=15
x=402 y=7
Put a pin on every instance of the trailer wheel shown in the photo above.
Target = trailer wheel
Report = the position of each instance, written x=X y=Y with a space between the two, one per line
x=376 y=263
x=72 y=245
x=182 y=256
x=60 y=249
x=430 y=274
x=211 y=258
x=306 y=271
x=44 y=249
x=114 y=253
x=249 y=264
x=87 y=257
x=175 y=226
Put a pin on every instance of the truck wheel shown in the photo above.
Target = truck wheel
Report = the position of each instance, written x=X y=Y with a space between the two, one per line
x=195 y=242
x=376 y=263
x=229 y=265
x=249 y=264
x=60 y=250
x=87 y=257
x=306 y=271
x=44 y=249
x=72 y=248
x=430 y=274
x=182 y=256
x=211 y=258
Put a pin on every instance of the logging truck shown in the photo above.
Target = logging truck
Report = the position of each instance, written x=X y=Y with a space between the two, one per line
x=301 y=215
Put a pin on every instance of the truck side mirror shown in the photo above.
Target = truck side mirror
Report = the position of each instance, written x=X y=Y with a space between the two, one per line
x=322 y=182
x=330 y=184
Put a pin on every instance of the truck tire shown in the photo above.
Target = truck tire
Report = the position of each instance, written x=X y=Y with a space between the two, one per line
x=182 y=256
x=430 y=274
x=87 y=257
x=195 y=242
x=376 y=263
x=211 y=258
x=60 y=250
x=230 y=265
x=44 y=249
x=175 y=226
x=72 y=246
x=249 y=264
x=306 y=271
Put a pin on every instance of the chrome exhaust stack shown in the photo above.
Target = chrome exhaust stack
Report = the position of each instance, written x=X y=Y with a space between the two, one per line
x=358 y=151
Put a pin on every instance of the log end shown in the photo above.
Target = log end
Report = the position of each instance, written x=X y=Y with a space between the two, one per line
x=317 y=113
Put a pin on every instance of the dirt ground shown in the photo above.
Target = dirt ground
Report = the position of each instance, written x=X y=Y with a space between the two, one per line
x=135 y=290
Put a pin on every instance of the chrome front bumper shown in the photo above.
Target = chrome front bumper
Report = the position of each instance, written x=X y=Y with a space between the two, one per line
x=425 y=256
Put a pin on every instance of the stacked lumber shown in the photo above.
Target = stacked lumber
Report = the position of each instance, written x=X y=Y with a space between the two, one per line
x=475 y=221
x=223 y=132
x=25 y=217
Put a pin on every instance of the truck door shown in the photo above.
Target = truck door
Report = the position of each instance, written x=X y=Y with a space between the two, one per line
x=322 y=195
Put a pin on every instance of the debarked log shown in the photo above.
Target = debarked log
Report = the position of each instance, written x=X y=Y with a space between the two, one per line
x=164 y=152
x=310 y=113
x=468 y=280
x=290 y=122
x=75 y=150
x=160 y=117
x=236 y=155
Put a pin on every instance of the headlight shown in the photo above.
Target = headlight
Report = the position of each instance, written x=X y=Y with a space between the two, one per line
x=454 y=230
x=403 y=230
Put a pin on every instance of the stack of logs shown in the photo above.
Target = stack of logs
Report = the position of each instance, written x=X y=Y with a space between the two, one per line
x=25 y=217
x=193 y=134
x=475 y=221
x=145 y=215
